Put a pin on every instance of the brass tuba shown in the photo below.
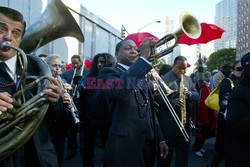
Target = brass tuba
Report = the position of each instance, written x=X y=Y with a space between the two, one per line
x=19 y=124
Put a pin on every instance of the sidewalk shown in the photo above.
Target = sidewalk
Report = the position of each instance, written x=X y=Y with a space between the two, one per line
x=194 y=160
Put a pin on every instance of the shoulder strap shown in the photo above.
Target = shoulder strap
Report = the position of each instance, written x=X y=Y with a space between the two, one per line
x=232 y=83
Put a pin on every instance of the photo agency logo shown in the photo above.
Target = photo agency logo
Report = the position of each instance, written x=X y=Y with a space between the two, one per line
x=118 y=83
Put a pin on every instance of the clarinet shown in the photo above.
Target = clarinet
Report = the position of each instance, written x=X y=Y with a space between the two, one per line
x=71 y=107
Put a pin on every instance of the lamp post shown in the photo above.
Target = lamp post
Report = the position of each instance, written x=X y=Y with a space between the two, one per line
x=149 y=24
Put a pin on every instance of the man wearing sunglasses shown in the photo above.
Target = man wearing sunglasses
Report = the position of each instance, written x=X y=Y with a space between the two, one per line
x=237 y=70
x=232 y=73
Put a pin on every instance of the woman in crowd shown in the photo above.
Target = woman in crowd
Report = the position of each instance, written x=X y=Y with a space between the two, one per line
x=95 y=116
x=237 y=134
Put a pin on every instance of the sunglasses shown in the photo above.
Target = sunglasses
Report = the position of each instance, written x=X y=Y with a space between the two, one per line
x=238 y=68
x=56 y=65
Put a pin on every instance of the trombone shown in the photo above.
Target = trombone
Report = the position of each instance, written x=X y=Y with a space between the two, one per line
x=162 y=88
x=191 y=27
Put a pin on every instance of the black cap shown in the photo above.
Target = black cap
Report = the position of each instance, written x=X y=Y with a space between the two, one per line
x=245 y=60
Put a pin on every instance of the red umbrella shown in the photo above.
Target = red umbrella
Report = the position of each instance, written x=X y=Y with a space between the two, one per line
x=138 y=37
x=209 y=32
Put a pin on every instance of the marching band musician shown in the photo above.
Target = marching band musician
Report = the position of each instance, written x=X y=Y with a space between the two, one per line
x=57 y=126
x=77 y=69
x=174 y=138
x=134 y=135
x=38 y=150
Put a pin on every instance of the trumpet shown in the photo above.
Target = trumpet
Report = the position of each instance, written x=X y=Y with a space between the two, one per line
x=189 y=25
x=77 y=76
x=71 y=106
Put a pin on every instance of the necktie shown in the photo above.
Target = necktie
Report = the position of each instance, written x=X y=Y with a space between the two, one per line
x=5 y=79
x=3 y=67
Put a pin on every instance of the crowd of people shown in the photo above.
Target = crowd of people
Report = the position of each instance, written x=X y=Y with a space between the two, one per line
x=115 y=104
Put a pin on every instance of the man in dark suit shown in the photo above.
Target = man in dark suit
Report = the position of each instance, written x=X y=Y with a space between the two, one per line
x=77 y=71
x=134 y=130
x=77 y=65
x=172 y=134
x=39 y=151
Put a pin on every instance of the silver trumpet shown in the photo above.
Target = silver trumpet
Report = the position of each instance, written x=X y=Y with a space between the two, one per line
x=71 y=106
x=77 y=76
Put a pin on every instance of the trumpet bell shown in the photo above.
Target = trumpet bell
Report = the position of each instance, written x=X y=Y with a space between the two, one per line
x=189 y=25
x=55 y=22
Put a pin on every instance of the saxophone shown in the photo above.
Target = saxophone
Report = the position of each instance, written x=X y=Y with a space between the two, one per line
x=183 y=98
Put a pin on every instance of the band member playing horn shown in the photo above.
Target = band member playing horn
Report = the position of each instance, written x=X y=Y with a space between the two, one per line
x=12 y=28
x=134 y=134
x=177 y=80
x=59 y=129
x=73 y=76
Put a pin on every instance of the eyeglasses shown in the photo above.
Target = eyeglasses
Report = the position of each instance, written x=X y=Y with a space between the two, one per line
x=56 y=65
x=238 y=68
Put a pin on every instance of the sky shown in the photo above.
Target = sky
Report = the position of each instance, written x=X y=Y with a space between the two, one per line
x=135 y=14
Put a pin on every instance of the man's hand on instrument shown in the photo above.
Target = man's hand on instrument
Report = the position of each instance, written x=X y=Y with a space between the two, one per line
x=66 y=98
x=53 y=91
x=163 y=149
x=145 y=47
x=67 y=87
x=185 y=91
x=176 y=102
x=5 y=102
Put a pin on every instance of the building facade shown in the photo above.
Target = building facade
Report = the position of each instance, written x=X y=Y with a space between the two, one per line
x=226 y=18
x=99 y=36
x=243 y=30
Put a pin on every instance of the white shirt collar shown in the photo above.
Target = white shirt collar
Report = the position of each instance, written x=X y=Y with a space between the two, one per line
x=124 y=66
x=11 y=63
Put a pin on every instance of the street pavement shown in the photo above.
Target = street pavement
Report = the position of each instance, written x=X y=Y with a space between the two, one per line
x=194 y=160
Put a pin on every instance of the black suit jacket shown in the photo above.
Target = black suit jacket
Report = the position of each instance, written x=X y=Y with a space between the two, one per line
x=168 y=124
x=130 y=128
x=67 y=75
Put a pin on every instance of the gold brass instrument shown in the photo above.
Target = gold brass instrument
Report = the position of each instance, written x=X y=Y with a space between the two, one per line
x=18 y=125
x=191 y=27
x=165 y=91
x=188 y=25
x=183 y=99
x=71 y=107
x=55 y=22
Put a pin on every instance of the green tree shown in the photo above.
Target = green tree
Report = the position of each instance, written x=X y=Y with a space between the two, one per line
x=218 y=58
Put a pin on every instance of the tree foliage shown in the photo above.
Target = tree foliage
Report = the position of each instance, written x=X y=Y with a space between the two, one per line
x=220 y=57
